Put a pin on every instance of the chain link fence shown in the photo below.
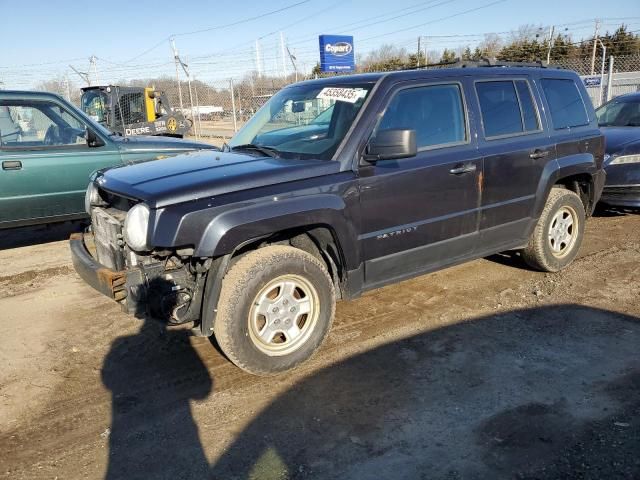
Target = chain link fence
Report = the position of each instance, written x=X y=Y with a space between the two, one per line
x=615 y=76
x=217 y=109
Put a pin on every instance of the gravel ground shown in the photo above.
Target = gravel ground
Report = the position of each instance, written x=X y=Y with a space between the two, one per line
x=484 y=370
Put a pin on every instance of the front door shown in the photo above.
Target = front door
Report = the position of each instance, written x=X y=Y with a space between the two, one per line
x=421 y=213
x=45 y=162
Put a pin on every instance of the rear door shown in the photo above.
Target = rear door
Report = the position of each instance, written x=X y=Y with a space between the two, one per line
x=516 y=147
x=46 y=162
x=420 y=213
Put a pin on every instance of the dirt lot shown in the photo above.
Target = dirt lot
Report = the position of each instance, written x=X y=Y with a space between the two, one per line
x=486 y=370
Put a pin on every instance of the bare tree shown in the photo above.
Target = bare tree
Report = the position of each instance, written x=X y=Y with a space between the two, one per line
x=491 y=45
x=59 y=86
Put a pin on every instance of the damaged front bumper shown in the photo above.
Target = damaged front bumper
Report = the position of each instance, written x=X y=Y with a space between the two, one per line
x=120 y=285
x=173 y=296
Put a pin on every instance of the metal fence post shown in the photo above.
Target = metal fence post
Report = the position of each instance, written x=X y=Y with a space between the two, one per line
x=610 y=78
x=604 y=57
x=233 y=106
x=195 y=88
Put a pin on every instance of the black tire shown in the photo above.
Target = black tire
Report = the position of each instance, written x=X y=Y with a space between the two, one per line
x=236 y=327
x=539 y=253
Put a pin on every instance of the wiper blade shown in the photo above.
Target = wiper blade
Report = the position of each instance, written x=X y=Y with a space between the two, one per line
x=268 y=151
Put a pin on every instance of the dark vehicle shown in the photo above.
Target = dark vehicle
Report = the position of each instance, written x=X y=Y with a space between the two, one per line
x=413 y=172
x=619 y=120
x=48 y=151
x=134 y=111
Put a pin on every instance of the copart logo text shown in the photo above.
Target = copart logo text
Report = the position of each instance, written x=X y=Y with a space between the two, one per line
x=339 y=49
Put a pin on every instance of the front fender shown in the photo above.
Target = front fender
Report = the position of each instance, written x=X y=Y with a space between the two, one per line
x=235 y=227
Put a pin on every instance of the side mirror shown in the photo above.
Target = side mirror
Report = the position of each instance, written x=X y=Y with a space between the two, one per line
x=93 y=140
x=391 y=144
x=297 y=107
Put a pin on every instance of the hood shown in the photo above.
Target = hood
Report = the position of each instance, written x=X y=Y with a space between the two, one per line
x=159 y=144
x=618 y=138
x=205 y=174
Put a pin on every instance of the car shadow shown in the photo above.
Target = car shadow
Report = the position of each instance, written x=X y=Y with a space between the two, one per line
x=544 y=393
x=509 y=258
x=37 y=234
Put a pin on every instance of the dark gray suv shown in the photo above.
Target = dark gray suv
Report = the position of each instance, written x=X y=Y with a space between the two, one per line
x=405 y=173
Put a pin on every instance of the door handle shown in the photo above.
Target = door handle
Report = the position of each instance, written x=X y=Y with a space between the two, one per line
x=459 y=170
x=538 y=154
x=12 y=165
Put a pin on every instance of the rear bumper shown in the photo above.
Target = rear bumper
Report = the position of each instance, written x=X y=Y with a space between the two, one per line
x=109 y=282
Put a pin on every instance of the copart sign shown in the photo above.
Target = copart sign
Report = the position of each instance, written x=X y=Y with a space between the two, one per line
x=336 y=53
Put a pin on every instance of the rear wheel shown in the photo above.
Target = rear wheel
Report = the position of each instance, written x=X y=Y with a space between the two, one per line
x=557 y=237
x=276 y=306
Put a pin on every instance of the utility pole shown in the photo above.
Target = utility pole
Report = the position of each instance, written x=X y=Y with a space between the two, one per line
x=258 y=61
x=426 y=56
x=552 y=30
x=185 y=68
x=284 y=63
x=418 y=55
x=93 y=64
x=595 y=44
x=176 y=59
x=293 y=62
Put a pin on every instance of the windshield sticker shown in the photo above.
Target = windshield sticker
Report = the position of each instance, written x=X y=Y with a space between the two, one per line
x=351 y=95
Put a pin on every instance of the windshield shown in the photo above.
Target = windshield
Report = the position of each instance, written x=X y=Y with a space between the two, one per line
x=94 y=104
x=619 y=114
x=89 y=121
x=304 y=121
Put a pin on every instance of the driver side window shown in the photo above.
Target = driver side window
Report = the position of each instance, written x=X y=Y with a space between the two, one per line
x=37 y=125
x=435 y=112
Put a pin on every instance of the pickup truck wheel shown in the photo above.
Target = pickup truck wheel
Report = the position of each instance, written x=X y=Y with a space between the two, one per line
x=276 y=306
x=556 y=239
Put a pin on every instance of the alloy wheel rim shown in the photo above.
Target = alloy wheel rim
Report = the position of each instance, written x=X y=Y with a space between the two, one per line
x=283 y=315
x=563 y=230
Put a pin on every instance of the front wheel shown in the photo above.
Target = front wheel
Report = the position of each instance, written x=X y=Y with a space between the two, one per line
x=276 y=306
x=557 y=237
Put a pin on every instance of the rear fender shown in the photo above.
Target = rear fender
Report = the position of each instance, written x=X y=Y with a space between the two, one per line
x=558 y=169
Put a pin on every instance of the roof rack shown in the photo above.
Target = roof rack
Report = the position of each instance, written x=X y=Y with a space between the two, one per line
x=487 y=62
x=492 y=62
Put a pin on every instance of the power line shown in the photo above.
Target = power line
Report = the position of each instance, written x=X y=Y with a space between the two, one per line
x=219 y=27
x=471 y=10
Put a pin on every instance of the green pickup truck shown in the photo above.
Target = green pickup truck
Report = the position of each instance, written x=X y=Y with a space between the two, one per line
x=48 y=151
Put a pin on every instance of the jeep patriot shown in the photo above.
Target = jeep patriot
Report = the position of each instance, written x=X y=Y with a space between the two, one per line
x=341 y=185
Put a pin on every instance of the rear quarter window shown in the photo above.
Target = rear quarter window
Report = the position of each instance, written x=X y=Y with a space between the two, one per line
x=507 y=108
x=565 y=103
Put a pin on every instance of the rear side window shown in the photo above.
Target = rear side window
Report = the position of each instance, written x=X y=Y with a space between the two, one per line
x=507 y=108
x=565 y=103
x=435 y=112
x=529 y=115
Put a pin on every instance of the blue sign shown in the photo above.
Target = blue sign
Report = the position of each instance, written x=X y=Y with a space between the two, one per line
x=591 y=81
x=336 y=53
